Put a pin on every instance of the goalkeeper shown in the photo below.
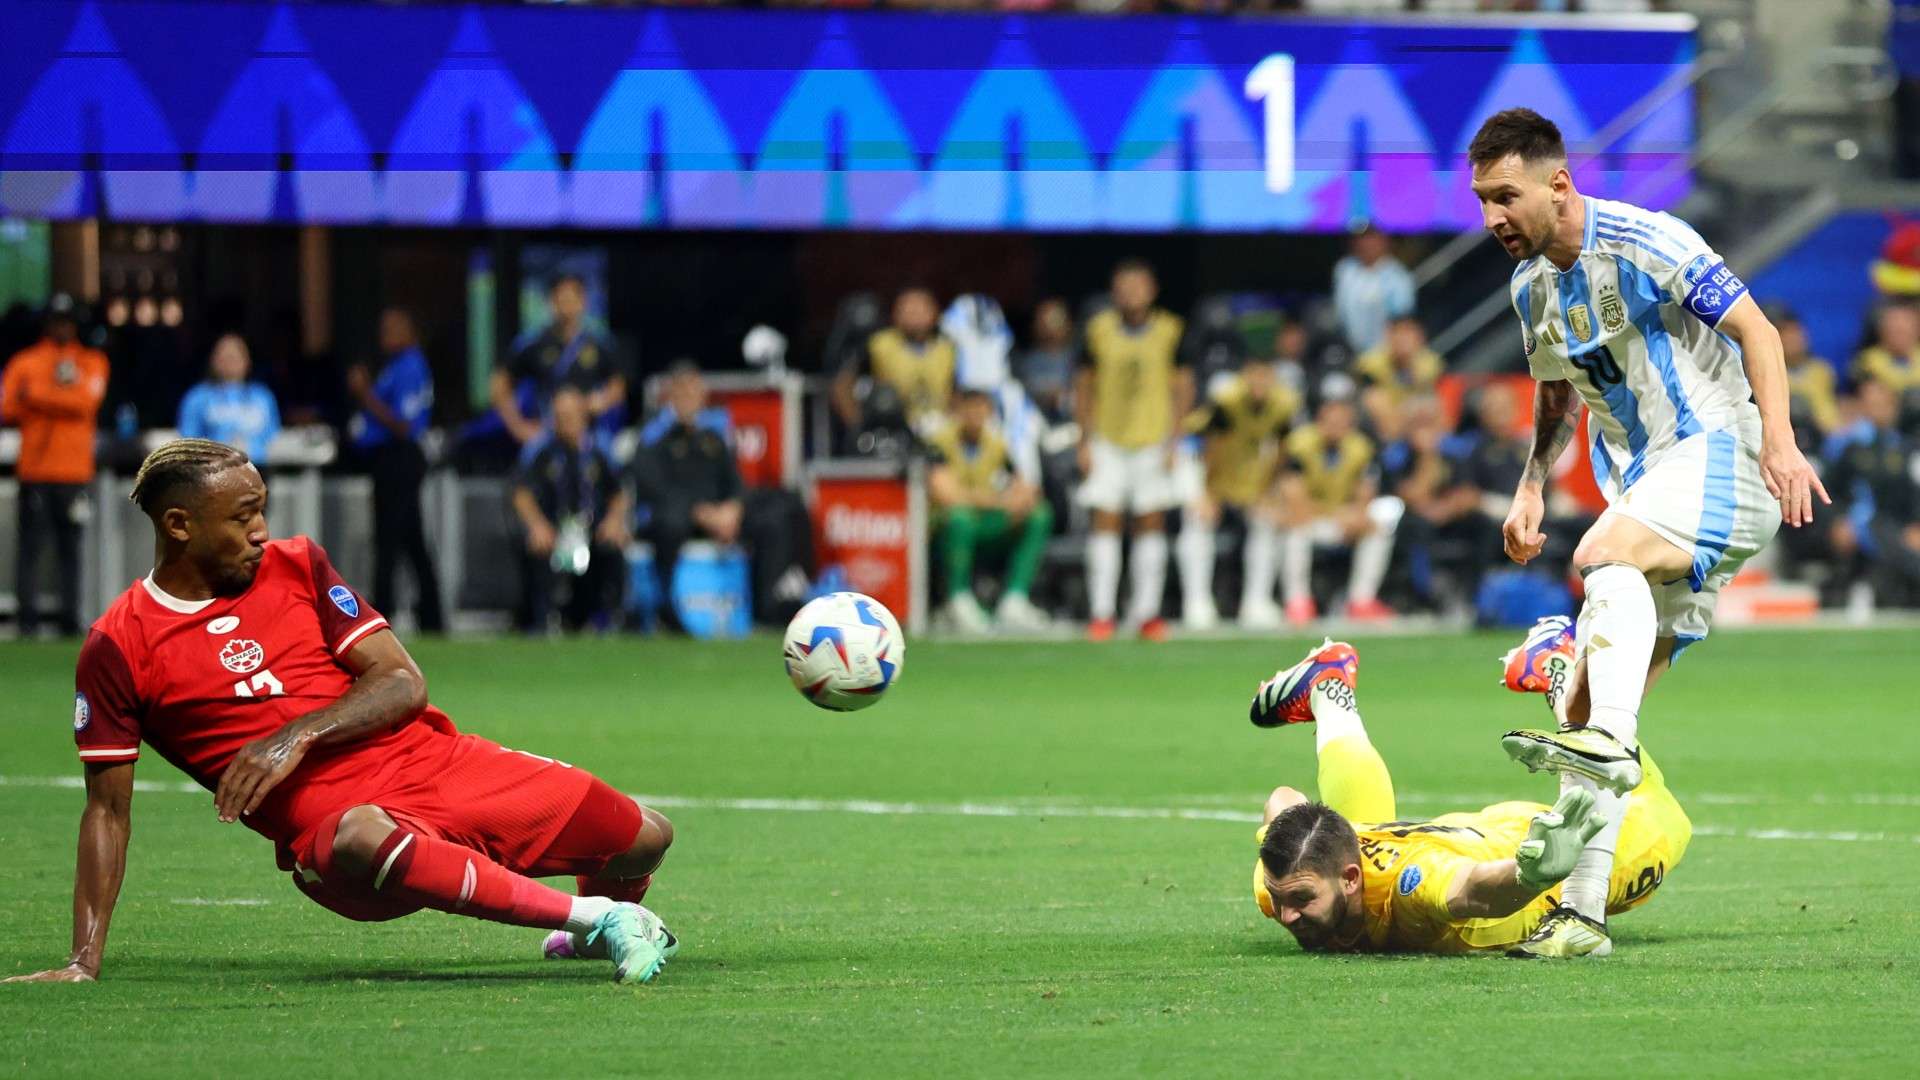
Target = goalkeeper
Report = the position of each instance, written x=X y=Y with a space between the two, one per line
x=1343 y=875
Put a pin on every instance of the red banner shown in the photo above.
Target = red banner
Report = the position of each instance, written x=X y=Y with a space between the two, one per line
x=759 y=419
x=861 y=524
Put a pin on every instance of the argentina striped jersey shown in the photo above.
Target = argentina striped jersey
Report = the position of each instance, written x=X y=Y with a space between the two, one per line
x=1633 y=326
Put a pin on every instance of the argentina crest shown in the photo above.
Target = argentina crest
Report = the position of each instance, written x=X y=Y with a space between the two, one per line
x=1613 y=311
x=1580 y=322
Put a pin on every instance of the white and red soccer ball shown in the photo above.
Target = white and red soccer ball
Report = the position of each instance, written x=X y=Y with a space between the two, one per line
x=843 y=651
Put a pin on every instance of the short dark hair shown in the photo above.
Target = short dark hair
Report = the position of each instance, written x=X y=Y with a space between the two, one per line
x=1133 y=264
x=176 y=468
x=1522 y=132
x=1309 y=836
x=563 y=278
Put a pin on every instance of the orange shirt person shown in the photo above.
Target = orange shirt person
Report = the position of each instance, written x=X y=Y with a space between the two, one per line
x=52 y=391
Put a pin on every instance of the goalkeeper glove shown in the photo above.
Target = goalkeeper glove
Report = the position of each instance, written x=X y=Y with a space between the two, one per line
x=1555 y=839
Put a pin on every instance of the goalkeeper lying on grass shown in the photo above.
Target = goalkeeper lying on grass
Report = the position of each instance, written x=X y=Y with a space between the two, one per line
x=1343 y=875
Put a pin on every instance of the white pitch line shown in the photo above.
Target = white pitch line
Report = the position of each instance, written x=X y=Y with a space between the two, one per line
x=879 y=808
x=962 y=809
x=1068 y=806
x=201 y=901
x=170 y=787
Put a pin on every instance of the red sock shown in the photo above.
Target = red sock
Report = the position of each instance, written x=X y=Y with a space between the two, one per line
x=448 y=877
x=631 y=890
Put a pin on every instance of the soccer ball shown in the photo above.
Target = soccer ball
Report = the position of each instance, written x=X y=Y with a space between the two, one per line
x=843 y=651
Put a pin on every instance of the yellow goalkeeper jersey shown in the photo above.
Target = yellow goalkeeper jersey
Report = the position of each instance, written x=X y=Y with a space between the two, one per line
x=1407 y=868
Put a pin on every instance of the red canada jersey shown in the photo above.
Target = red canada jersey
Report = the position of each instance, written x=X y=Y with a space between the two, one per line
x=198 y=680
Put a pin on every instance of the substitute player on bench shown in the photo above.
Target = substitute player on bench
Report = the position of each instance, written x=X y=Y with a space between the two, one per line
x=252 y=667
x=1343 y=874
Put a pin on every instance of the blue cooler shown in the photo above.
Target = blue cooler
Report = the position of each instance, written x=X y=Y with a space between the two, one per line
x=712 y=591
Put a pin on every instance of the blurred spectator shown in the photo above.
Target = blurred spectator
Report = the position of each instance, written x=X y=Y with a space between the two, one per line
x=986 y=502
x=1496 y=451
x=1131 y=394
x=567 y=352
x=1893 y=360
x=1293 y=361
x=1046 y=367
x=394 y=408
x=982 y=346
x=686 y=477
x=1244 y=421
x=1334 y=501
x=1446 y=532
x=19 y=328
x=227 y=408
x=1401 y=365
x=566 y=494
x=52 y=391
x=911 y=365
x=1873 y=477
x=1370 y=287
x=1810 y=385
x=1214 y=347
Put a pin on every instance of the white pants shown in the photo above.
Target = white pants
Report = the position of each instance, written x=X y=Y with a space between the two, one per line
x=1704 y=495
x=1123 y=480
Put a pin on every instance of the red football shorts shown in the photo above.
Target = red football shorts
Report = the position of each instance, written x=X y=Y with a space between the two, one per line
x=531 y=814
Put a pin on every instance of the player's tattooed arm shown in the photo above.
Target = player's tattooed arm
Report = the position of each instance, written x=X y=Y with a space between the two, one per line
x=105 y=825
x=1555 y=415
x=388 y=690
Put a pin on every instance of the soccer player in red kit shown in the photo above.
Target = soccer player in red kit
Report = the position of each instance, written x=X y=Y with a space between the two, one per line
x=252 y=667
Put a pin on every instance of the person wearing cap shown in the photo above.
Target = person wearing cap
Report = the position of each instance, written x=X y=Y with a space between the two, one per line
x=52 y=390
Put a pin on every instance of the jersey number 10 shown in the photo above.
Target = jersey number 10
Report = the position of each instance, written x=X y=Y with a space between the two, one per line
x=1599 y=365
x=263 y=681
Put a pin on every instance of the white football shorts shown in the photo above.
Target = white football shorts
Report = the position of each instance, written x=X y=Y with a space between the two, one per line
x=1128 y=480
x=1704 y=495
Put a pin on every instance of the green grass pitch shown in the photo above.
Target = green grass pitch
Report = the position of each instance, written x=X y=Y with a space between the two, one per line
x=1045 y=933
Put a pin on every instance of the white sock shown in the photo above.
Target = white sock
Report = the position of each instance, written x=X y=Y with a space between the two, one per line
x=1103 y=573
x=1195 y=547
x=1262 y=538
x=1619 y=648
x=1375 y=550
x=1296 y=565
x=1585 y=890
x=586 y=911
x=1333 y=717
x=1149 y=575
